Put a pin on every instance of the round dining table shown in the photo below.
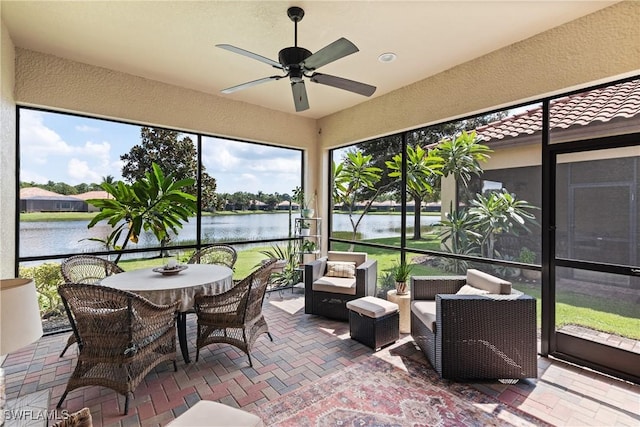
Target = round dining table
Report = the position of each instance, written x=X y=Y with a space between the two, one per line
x=165 y=287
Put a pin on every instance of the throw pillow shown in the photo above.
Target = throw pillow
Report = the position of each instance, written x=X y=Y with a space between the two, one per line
x=82 y=418
x=341 y=269
x=470 y=290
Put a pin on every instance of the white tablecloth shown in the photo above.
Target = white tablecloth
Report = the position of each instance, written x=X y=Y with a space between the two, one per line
x=160 y=289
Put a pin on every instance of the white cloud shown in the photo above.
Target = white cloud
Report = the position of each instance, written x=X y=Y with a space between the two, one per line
x=85 y=128
x=44 y=154
x=80 y=171
x=67 y=155
x=239 y=166
x=37 y=141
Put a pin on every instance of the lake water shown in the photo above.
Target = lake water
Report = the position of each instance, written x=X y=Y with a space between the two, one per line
x=51 y=238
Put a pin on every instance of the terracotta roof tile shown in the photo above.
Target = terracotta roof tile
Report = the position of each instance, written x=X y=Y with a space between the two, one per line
x=97 y=194
x=39 y=193
x=604 y=104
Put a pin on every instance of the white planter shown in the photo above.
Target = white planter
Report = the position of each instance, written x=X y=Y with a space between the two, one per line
x=305 y=231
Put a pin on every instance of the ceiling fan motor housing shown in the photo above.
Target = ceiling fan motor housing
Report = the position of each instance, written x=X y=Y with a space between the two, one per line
x=291 y=59
x=292 y=56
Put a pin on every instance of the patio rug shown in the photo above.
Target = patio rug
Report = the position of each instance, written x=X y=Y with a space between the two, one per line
x=377 y=393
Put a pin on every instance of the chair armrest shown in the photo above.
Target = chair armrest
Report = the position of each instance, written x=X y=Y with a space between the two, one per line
x=228 y=302
x=367 y=278
x=427 y=287
x=313 y=271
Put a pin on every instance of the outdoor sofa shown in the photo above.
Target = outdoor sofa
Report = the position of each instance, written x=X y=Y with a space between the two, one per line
x=474 y=326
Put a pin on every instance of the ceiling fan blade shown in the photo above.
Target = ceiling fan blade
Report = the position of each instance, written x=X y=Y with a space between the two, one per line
x=336 y=50
x=341 y=83
x=250 y=84
x=300 y=96
x=250 y=55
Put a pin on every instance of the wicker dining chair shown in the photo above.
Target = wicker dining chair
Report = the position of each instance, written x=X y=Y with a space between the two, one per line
x=121 y=337
x=235 y=317
x=87 y=269
x=215 y=254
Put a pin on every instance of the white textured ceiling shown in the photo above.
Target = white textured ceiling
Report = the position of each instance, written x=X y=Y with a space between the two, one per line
x=174 y=41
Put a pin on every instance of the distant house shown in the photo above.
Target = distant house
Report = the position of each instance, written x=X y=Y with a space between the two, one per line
x=257 y=205
x=93 y=195
x=33 y=199
x=386 y=206
x=284 y=206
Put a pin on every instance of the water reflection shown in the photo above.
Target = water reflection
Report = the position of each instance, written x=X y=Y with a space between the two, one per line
x=57 y=237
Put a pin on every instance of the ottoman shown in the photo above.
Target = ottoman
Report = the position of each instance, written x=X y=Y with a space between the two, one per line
x=373 y=321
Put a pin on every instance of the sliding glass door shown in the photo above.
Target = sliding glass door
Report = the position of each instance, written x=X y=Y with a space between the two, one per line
x=596 y=263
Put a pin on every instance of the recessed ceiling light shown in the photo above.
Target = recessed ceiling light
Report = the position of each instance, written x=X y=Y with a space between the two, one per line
x=387 y=57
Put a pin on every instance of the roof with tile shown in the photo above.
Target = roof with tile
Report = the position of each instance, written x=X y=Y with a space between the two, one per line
x=582 y=109
x=98 y=194
x=39 y=193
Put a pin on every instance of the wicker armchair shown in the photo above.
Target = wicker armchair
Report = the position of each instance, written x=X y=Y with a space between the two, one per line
x=215 y=254
x=234 y=317
x=87 y=269
x=121 y=337
x=327 y=294
x=472 y=335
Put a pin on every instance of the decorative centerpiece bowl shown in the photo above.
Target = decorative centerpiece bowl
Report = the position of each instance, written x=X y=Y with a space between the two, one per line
x=170 y=271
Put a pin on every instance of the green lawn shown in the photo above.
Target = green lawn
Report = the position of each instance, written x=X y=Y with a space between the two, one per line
x=248 y=260
x=601 y=314
x=57 y=216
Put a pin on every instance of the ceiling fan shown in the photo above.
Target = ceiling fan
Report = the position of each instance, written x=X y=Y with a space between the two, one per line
x=298 y=62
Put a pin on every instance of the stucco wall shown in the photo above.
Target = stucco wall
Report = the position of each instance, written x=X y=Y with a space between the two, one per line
x=52 y=82
x=8 y=157
x=593 y=48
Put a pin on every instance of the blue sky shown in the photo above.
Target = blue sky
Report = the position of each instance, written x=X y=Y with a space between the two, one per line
x=71 y=149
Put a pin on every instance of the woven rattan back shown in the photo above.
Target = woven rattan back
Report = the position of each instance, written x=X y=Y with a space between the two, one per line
x=87 y=269
x=215 y=254
x=235 y=316
x=109 y=321
x=259 y=281
x=121 y=336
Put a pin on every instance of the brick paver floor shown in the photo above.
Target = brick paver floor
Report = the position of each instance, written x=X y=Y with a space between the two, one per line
x=304 y=349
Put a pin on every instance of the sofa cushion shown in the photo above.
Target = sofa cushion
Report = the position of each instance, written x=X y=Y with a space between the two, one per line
x=494 y=285
x=357 y=257
x=372 y=307
x=341 y=269
x=336 y=285
x=425 y=310
x=470 y=290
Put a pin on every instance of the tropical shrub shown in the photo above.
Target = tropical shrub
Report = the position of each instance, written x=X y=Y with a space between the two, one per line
x=47 y=278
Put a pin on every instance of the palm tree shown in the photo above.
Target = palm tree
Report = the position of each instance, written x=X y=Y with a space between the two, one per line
x=350 y=179
x=109 y=179
x=422 y=168
x=462 y=157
